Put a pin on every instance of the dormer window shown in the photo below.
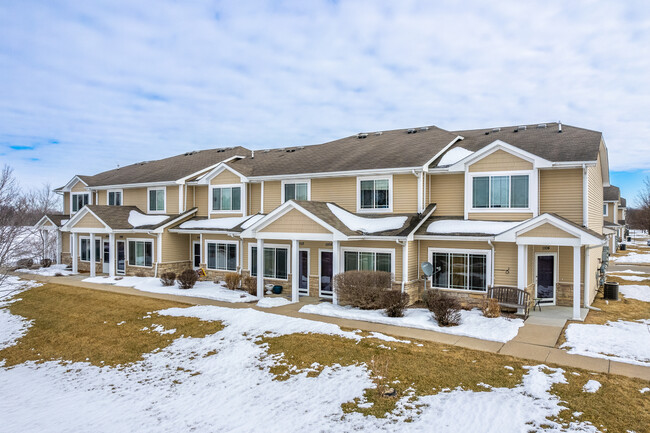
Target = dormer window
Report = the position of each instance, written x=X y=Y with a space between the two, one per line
x=500 y=192
x=79 y=200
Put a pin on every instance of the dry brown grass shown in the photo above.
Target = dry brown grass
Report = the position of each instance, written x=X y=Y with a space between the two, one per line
x=76 y=324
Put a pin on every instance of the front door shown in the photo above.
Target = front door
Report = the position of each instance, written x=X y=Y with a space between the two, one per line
x=105 y=266
x=546 y=278
x=303 y=272
x=196 y=255
x=326 y=261
x=121 y=258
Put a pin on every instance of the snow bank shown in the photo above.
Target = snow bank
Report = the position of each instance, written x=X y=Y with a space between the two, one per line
x=48 y=272
x=221 y=223
x=619 y=341
x=454 y=155
x=202 y=289
x=12 y=327
x=137 y=219
x=468 y=226
x=367 y=225
x=631 y=291
x=272 y=302
x=472 y=323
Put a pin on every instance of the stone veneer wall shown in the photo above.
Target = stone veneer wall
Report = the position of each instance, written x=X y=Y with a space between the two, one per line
x=564 y=294
x=175 y=267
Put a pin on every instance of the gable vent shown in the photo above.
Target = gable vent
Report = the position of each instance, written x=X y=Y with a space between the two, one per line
x=411 y=131
x=362 y=135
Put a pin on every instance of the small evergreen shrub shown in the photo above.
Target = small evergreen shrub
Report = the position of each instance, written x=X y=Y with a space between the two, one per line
x=233 y=280
x=187 y=279
x=445 y=308
x=362 y=289
x=168 y=279
x=491 y=308
x=250 y=284
x=395 y=303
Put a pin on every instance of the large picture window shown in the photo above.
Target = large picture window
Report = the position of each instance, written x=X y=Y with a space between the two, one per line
x=275 y=262
x=374 y=193
x=140 y=253
x=157 y=200
x=500 y=191
x=367 y=261
x=79 y=200
x=226 y=198
x=222 y=256
x=296 y=191
x=460 y=271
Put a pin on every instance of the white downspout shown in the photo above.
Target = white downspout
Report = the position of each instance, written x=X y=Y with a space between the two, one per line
x=405 y=253
x=492 y=270
x=585 y=197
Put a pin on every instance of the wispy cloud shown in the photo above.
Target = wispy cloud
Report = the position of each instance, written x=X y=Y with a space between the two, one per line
x=89 y=85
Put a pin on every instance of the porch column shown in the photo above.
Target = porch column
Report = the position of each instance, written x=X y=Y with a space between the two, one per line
x=576 y=283
x=260 y=268
x=521 y=267
x=295 y=274
x=74 y=252
x=111 y=254
x=585 y=295
x=93 y=259
x=59 y=244
x=405 y=264
x=335 y=270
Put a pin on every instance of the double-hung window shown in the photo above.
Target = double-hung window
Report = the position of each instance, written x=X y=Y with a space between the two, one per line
x=226 y=198
x=500 y=191
x=367 y=261
x=140 y=253
x=275 y=262
x=114 y=198
x=222 y=256
x=459 y=270
x=157 y=200
x=374 y=193
x=605 y=208
x=79 y=200
x=296 y=191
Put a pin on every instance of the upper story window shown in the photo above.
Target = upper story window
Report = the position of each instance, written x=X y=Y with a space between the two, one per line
x=79 y=200
x=605 y=209
x=114 y=198
x=226 y=198
x=157 y=200
x=374 y=193
x=500 y=191
x=295 y=191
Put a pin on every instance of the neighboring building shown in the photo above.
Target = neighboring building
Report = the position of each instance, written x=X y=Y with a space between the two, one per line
x=614 y=210
x=514 y=206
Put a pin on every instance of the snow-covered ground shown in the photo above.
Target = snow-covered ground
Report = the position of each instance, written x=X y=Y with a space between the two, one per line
x=273 y=302
x=48 y=272
x=202 y=289
x=472 y=323
x=12 y=327
x=619 y=341
x=640 y=293
x=631 y=258
x=222 y=382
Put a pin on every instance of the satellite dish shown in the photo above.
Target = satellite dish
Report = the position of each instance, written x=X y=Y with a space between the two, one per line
x=427 y=268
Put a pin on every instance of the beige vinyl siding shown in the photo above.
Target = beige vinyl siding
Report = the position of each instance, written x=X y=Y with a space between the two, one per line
x=65 y=242
x=175 y=247
x=101 y=197
x=340 y=190
x=201 y=200
x=447 y=192
x=413 y=263
x=88 y=221
x=595 y=255
x=136 y=197
x=505 y=264
x=224 y=178
x=189 y=197
x=547 y=230
x=66 y=203
x=500 y=216
x=48 y=224
x=172 y=200
x=392 y=245
x=405 y=193
x=294 y=221
x=272 y=195
x=254 y=198
x=610 y=213
x=500 y=161
x=560 y=192
x=78 y=187
x=595 y=190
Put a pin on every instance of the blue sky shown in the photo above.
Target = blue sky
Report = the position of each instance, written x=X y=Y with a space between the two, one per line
x=86 y=86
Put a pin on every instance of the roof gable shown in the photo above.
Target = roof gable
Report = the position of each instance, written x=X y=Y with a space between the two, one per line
x=500 y=152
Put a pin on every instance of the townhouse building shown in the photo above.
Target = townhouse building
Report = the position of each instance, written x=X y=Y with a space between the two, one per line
x=518 y=206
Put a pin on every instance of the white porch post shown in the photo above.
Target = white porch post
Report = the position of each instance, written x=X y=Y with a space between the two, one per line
x=74 y=252
x=294 y=270
x=244 y=199
x=576 y=283
x=335 y=270
x=260 y=268
x=111 y=255
x=93 y=259
x=405 y=264
x=420 y=193
x=587 y=278
x=59 y=244
x=521 y=267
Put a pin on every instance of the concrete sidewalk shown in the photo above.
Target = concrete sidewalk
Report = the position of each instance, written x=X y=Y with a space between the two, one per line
x=535 y=341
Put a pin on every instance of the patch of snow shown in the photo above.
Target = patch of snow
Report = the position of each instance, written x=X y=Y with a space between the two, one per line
x=619 y=341
x=472 y=323
x=454 y=155
x=137 y=219
x=631 y=277
x=631 y=258
x=367 y=225
x=591 y=386
x=644 y=390
x=507 y=367
x=221 y=223
x=631 y=291
x=161 y=329
x=577 y=414
x=202 y=289
x=12 y=326
x=469 y=226
x=48 y=272
x=272 y=302
x=626 y=271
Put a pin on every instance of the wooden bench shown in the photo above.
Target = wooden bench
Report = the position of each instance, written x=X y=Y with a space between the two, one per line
x=511 y=297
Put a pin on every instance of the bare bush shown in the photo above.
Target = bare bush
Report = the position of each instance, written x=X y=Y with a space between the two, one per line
x=168 y=279
x=362 y=289
x=187 y=279
x=250 y=284
x=491 y=308
x=445 y=308
x=395 y=302
x=233 y=280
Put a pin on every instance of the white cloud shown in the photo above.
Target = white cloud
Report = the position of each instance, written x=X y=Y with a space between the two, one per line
x=120 y=81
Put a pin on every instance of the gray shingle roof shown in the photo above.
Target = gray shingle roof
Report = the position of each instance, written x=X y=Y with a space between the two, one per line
x=117 y=217
x=611 y=193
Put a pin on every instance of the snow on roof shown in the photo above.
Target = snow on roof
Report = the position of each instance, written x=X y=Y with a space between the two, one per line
x=221 y=223
x=468 y=226
x=366 y=225
x=454 y=155
x=136 y=219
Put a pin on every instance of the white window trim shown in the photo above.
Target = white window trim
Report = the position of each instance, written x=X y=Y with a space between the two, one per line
x=285 y=182
x=390 y=194
x=156 y=188
x=321 y=293
x=533 y=179
x=121 y=191
x=72 y=194
x=213 y=241
x=192 y=243
x=556 y=268
x=126 y=252
x=252 y=245
x=605 y=209
x=80 y=259
x=242 y=199
x=488 y=267
x=101 y=249
x=391 y=251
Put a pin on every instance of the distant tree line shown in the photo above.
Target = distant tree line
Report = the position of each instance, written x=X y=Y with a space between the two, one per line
x=638 y=217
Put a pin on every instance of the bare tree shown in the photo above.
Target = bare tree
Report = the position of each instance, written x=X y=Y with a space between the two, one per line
x=41 y=243
x=641 y=216
x=13 y=206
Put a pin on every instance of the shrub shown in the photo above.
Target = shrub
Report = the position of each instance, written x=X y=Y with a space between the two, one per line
x=395 y=303
x=362 y=289
x=232 y=279
x=168 y=278
x=25 y=263
x=187 y=279
x=250 y=284
x=46 y=263
x=445 y=308
x=491 y=308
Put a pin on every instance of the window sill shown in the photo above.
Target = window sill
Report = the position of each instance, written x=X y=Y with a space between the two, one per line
x=500 y=210
x=380 y=210
x=150 y=212
x=138 y=266
x=480 y=292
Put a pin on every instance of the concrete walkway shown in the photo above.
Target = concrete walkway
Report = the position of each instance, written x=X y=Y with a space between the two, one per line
x=535 y=341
